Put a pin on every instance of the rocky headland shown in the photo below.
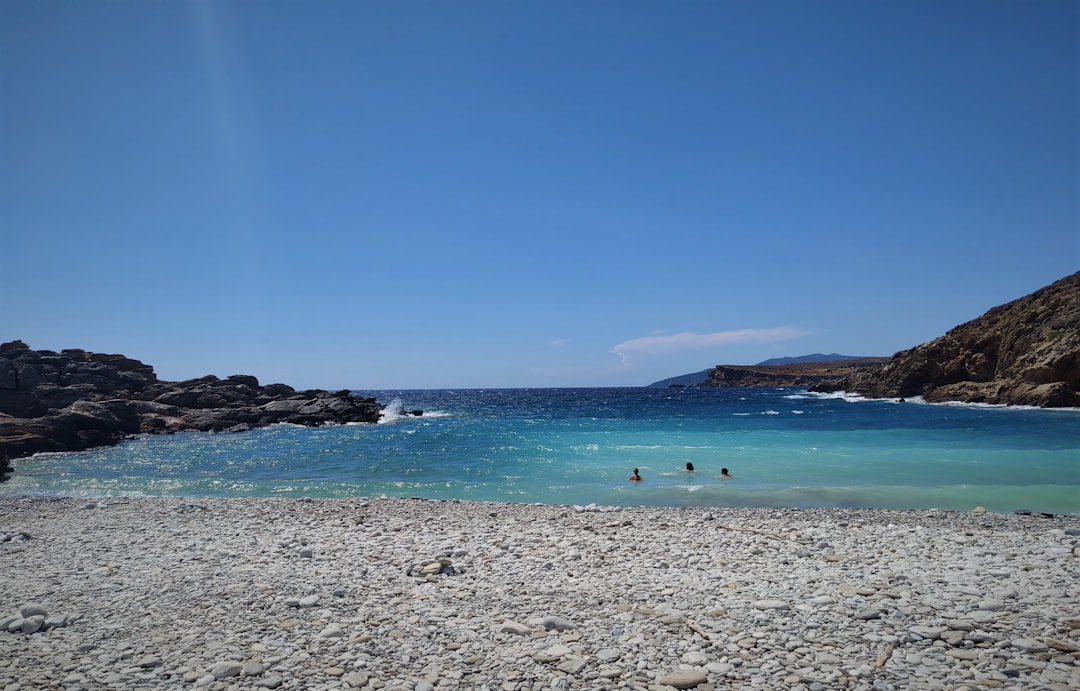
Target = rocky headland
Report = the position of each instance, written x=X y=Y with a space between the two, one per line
x=801 y=374
x=73 y=400
x=1026 y=352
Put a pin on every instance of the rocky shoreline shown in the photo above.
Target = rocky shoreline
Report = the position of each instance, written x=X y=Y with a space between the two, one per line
x=415 y=595
x=1025 y=352
x=73 y=400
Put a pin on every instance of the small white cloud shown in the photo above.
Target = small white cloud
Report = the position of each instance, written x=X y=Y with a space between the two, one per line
x=689 y=339
x=559 y=342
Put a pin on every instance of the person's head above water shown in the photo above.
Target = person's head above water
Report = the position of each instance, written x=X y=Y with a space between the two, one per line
x=689 y=467
x=724 y=473
x=635 y=477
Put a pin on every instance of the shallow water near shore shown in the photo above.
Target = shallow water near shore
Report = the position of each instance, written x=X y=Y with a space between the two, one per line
x=784 y=448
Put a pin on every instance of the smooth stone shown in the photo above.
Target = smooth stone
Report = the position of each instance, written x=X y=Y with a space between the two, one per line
x=432 y=568
x=223 y=670
x=558 y=624
x=57 y=621
x=269 y=683
x=309 y=601
x=253 y=669
x=684 y=679
x=331 y=631
x=608 y=655
x=32 y=609
x=515 y=628
x=571 y=666
x=694 y=657
x=771 y=604
x=928 y=631
x=1029 y=645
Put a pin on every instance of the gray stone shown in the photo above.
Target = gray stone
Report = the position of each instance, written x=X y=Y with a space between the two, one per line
x=226 y=669
x=1029 y=645
x=32 y=624
x=571 y=665
x=684 y=679
x=608 y=655
x=515 y=628
x=558 y=624
x=32 y=609
x=253 y=669
x=56 y=621
x=331 y=631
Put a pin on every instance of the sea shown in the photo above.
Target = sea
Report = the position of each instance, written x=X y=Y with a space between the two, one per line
x=782 y=447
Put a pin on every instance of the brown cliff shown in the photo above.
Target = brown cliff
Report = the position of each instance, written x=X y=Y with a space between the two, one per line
x=803 y=374
x=1026 y=352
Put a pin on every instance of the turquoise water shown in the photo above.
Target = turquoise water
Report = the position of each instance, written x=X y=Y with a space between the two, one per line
x=784 y=447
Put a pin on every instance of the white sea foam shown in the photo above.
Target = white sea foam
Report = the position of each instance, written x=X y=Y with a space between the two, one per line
x=851 y=397
x=395 y=410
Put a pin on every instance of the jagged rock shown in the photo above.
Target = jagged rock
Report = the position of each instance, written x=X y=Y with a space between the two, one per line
x=1026 y=352
x=75 y=399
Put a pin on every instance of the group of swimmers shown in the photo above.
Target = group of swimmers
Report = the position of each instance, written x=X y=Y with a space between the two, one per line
x=636 y=476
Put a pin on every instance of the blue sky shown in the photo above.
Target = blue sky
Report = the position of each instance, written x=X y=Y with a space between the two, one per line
x=526 y=194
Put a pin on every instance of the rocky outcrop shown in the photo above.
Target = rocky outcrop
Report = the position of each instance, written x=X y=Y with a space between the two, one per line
x=805 y=374
x=1026 y=352
x=73 y=400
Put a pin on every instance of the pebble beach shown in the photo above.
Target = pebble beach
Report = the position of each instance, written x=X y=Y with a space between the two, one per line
x=418 y=595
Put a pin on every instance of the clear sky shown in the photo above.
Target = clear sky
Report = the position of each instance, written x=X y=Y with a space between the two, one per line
x=345 y=194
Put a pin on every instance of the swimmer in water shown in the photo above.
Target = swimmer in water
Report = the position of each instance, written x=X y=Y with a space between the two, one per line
x=724 y=474
x=689 y=467
x=635 y=477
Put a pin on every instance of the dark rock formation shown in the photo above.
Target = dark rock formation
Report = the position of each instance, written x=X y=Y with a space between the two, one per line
x=805 y=374
x=1026 y=352
x=74 y=400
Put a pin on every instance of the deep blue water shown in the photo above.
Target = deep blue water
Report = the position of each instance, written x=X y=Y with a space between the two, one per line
x=783 y=447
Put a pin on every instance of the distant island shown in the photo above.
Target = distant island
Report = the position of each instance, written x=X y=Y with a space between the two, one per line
x=1026 y=352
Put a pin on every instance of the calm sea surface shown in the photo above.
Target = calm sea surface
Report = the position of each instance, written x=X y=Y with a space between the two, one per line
x=783 y=447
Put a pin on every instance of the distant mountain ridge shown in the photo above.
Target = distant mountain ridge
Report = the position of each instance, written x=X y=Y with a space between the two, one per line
x=1025 y=352
x=816 y=357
